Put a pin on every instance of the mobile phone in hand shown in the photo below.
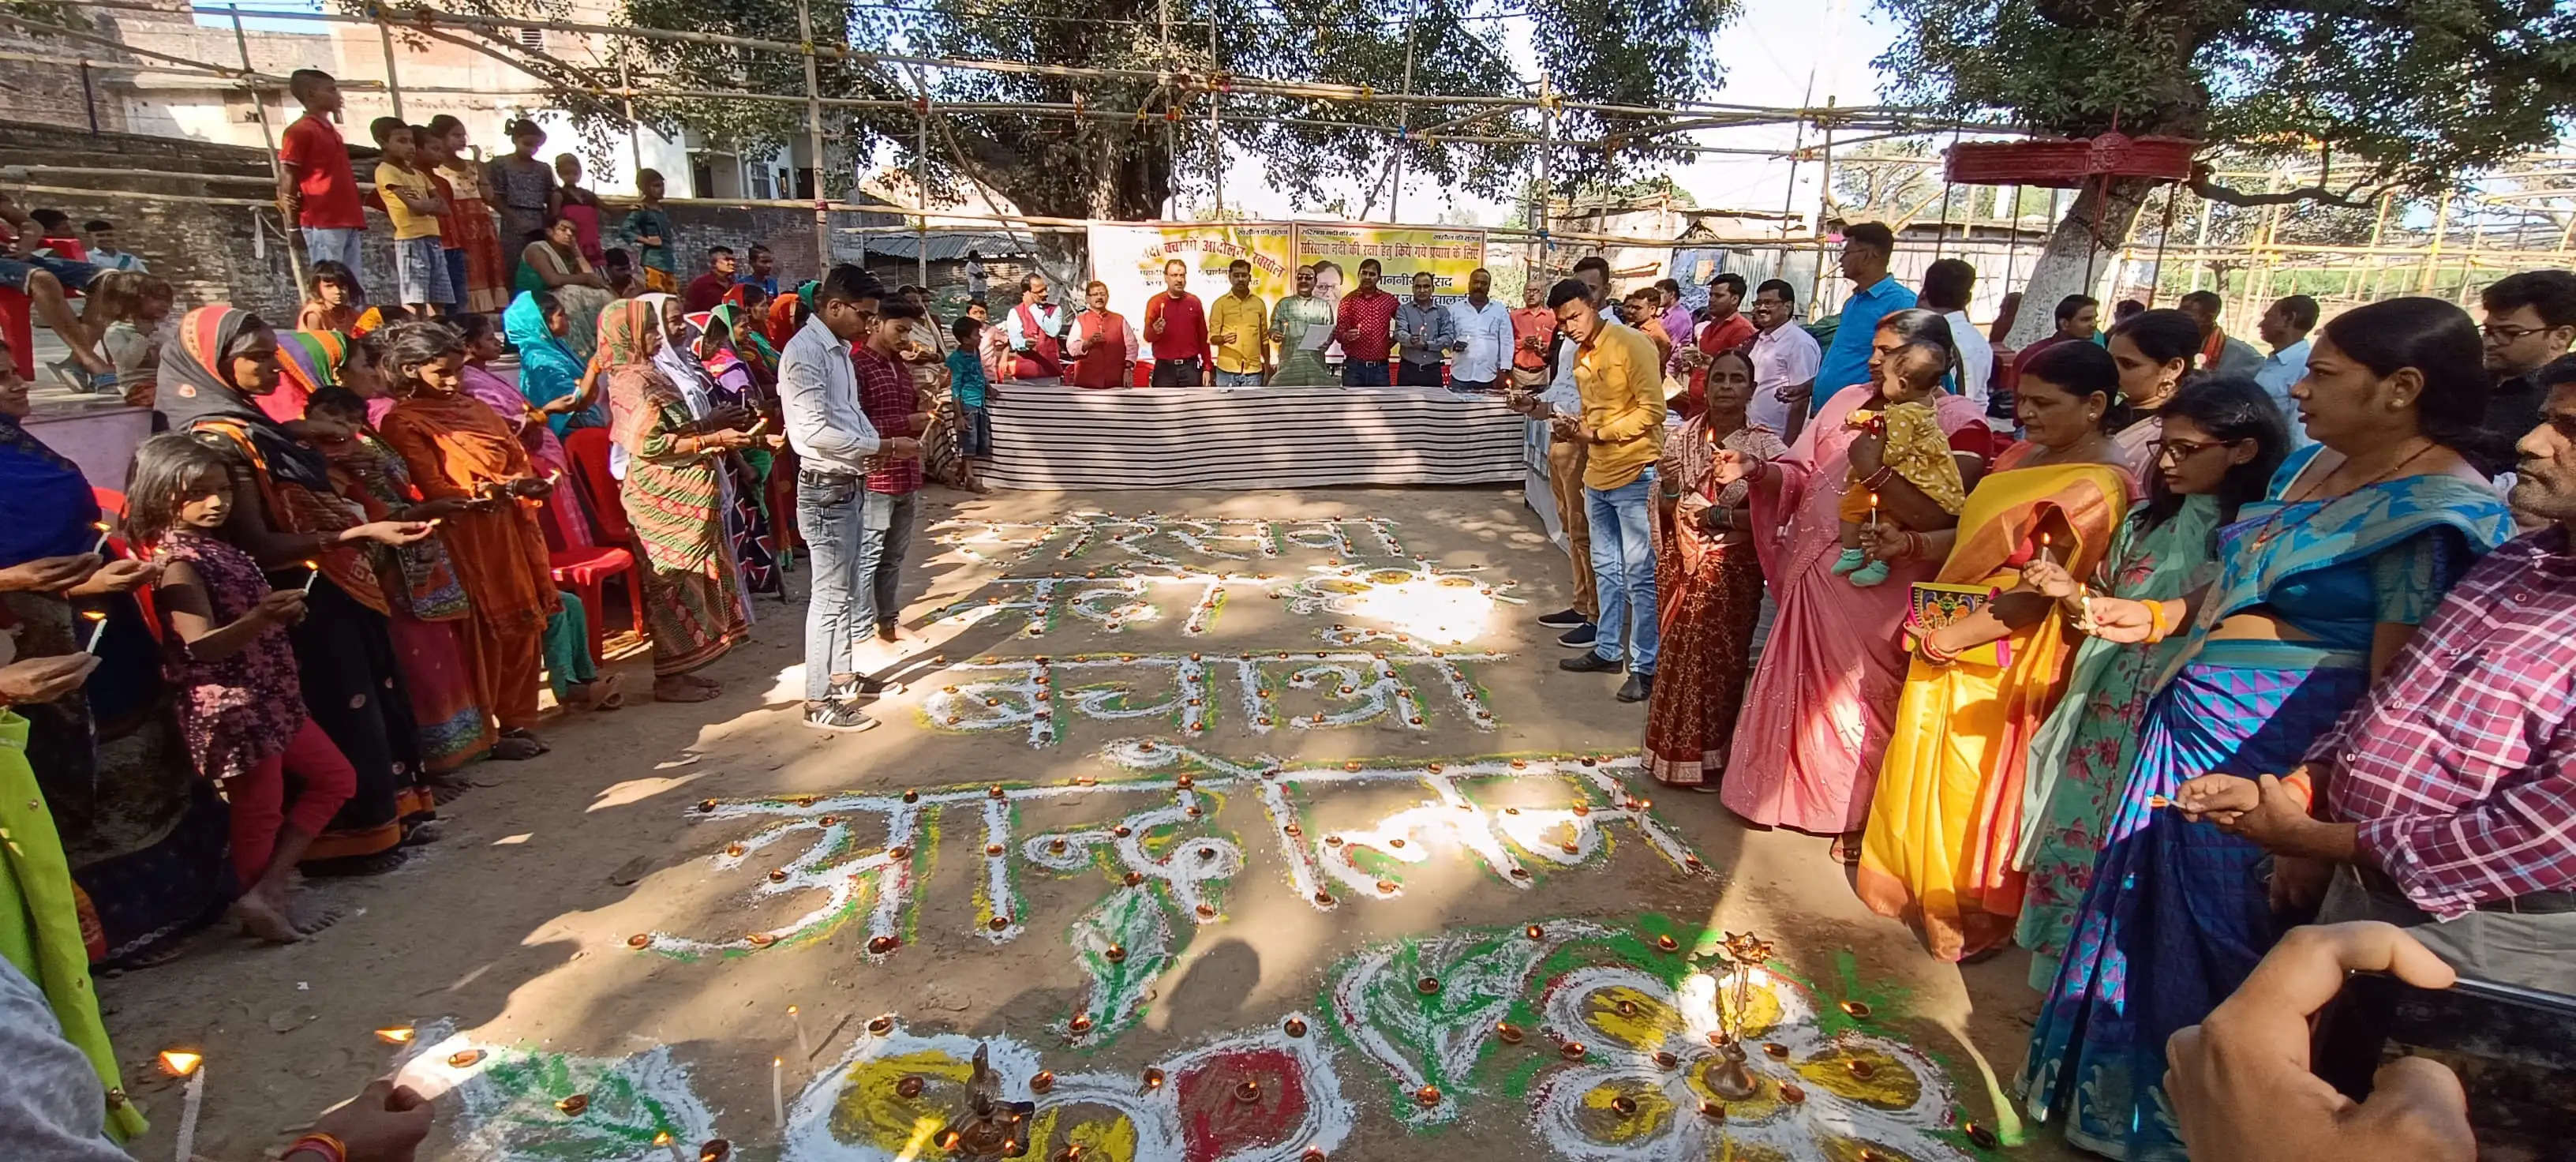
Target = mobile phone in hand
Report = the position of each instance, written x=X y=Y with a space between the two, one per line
x=2514 y=1049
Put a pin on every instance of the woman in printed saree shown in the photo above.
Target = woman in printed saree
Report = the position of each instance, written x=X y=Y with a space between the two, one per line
x=144 y=836
x=2320 y=583
x=458 y=450
x=673 y=497
x=1708 y=580
x=678 y=361
x=558 y=383
x=224 y=359
x=732 y=385
x=2222 y=442
x=1816 y=718
x=554 y=262
x=427 y=609
x=1946 y=813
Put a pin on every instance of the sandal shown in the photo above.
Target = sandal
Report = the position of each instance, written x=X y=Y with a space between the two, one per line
x=1845 y=851
x=516 y=747
x=604 y=695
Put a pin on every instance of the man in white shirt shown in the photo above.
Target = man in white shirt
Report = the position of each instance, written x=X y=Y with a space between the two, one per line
x=1036 y=329
x=1947 y=285
x=978 y=280
x=818 y=390
x=2285 y=330
x=1785 y=358
x=1483 y=338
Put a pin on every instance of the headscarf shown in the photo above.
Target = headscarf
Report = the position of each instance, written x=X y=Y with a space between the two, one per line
x=637 y=389
x=307 y=362
x=196 y=377
x=50 y=503
x=548 y=370
x=786 y=314
x=739 y=294
x=760 y=356
x=806 y=290
x=677 y=361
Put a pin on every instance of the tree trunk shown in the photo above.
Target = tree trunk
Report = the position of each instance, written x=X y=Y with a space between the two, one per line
x=2081 y=253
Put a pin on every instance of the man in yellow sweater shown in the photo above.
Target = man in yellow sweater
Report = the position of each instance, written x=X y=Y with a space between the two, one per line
x=1620 y=377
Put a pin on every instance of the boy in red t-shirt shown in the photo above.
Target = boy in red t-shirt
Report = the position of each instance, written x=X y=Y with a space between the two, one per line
x=315 y=187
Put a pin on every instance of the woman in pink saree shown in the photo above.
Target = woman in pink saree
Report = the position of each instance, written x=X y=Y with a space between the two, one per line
x=1815 y=722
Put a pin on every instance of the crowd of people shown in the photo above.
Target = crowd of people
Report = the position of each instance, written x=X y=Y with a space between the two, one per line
x=2133 y=646
x=2136 y=648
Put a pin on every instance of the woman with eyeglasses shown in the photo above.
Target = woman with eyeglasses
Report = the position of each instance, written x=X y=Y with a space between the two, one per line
x=2222 y=442
x=2320 y=583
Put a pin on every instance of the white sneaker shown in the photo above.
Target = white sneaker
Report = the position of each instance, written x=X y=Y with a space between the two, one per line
x=837 y=716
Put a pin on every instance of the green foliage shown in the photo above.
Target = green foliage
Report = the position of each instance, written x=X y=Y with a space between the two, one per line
x=2387 y=92
x=1127 y=158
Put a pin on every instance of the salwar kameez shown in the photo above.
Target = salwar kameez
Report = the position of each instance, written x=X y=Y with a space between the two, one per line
x=487 y=270
x=426 y=612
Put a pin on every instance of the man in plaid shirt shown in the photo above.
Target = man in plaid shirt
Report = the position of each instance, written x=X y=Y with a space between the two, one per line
x=894 y=407
x=2450 y=791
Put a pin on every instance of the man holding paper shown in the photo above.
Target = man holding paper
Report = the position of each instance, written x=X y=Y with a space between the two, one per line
x=1302 y=326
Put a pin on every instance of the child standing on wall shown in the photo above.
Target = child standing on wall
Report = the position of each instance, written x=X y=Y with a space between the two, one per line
x=413 y=204
x=1913 y=448
x=648 y=229
x=966 y=380
x=315 y=188
x=243 y=704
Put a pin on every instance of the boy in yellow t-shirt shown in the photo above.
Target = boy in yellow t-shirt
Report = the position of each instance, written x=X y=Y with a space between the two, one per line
x=413 y=205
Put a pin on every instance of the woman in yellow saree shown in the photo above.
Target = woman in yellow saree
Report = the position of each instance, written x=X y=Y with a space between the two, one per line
x=1946 y=815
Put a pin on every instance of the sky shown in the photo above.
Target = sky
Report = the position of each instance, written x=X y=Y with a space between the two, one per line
x=1771 y=53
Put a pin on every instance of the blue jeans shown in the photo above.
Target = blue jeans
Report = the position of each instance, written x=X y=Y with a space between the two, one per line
x=837 y=612
x=74 y=276
x=1238 y=379
x=336 y=244
x=974 y=431
x=1364 y=373
x=1623 y=565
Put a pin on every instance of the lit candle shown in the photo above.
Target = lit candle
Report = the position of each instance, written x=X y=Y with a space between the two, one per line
x=665 y=1141
x=97 y=627
x=314 y=569
x=1873 y=510
x=399 y=1035
x=181 y=1063
x=804 y=1049
x=777 y=1092
x=2043 y=549
x=103 y=533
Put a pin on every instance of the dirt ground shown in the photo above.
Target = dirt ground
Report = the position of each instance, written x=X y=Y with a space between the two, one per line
x=1197 y=898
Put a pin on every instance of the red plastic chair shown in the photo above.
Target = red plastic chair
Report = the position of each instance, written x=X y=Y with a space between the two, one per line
x=18 y=325
x=586 y=569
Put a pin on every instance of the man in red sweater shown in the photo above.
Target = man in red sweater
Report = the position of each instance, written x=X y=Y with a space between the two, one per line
x=708 y=289
x=1367 y=330
x=1176 y=326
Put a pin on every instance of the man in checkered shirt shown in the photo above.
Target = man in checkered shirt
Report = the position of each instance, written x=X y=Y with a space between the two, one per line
x=2449 y=802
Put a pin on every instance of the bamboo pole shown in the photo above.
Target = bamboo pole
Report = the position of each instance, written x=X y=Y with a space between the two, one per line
x=634 y=128
x=2433 y=253
x=1216 y=119
x=814 y=136
x=393 y=83
x=1403 y=116
x=276 y=168
x=1824 y=208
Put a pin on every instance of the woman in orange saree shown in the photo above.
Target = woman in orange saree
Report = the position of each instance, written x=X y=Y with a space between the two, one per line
x=1946 y=816
x=457 y=449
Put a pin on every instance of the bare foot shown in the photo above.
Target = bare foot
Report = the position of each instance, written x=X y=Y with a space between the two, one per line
x=677 y=688
x=517 y=746
x=261 y=917
x=444 y=791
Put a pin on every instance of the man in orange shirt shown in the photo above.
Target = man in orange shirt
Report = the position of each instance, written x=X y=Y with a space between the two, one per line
x=1533 y=327
x=1176 y=329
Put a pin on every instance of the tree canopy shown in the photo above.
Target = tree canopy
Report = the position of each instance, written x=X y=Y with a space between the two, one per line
x=1137 y=142
x=2386 y=93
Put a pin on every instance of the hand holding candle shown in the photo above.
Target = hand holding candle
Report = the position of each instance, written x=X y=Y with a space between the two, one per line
x=97 y=619
x=313 y=569
x=105 y=530
x=1873 y=510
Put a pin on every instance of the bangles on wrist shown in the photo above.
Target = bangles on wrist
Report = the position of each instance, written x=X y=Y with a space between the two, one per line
x=2159 y=621
x=330 y=1148
x=1933 y=653
x=1878 y=480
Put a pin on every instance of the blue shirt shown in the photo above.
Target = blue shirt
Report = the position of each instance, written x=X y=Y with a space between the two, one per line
x=2279 y=372
x=1847 y=361
x=966 y=378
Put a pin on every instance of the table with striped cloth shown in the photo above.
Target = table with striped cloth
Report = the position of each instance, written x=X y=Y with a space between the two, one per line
x=1249 y=438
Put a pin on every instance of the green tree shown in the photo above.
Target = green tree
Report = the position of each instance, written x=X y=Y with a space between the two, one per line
x=2379 y=95
x=1137 y=140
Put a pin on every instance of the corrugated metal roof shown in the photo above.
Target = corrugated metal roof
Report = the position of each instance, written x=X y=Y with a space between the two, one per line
x=944 y=245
